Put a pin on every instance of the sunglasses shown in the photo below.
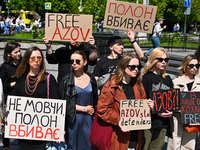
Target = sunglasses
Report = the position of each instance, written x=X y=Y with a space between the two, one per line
x=132 y=67
x=161 y=59
x=77 y=61
x=33 y=59
x=192 y=66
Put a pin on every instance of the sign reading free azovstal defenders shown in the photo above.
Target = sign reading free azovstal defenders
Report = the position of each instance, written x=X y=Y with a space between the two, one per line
x=35 y=118
x=134 y=115
x=68 y=27
x=121 y=15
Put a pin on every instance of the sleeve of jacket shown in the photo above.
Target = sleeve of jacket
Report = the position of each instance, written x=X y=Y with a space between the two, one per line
x=5 y=79
x=105 y=104
x=53 y=87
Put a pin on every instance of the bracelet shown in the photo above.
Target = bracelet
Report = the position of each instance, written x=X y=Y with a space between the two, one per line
x=133 y=41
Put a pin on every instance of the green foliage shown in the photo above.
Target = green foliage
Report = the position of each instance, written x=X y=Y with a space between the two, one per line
x=171 y=10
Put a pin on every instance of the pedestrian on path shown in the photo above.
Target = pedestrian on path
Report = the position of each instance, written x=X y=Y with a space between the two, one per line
x=155 y=38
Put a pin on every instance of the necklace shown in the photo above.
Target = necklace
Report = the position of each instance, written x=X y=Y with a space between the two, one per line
x=31 y=84
x=80 y=77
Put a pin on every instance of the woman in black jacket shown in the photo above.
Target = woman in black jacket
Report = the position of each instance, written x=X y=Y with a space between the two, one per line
x=80 y=90
x=12 y=57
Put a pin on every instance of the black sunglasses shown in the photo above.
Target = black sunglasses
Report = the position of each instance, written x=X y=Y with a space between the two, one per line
x=132 y=67
x=192 y=66
x=77 y=61
x=161 y=59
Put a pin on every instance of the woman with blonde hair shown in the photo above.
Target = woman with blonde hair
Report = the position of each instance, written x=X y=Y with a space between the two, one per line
x=126 y=83
x=154 y=79
x=187 y=81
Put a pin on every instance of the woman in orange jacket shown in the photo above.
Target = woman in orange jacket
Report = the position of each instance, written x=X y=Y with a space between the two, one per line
x=125 y=84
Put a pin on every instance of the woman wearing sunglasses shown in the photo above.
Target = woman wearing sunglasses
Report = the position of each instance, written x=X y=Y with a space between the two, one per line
x=32 y=82
x=126 y=83
x=79 y=89
x=187 y=81
x=12 y=57
x=155 y=79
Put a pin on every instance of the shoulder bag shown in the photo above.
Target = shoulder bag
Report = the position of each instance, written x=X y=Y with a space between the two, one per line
x=101 y=132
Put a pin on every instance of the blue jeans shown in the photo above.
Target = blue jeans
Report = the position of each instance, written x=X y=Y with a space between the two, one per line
x=18 y=29
x=156 y=43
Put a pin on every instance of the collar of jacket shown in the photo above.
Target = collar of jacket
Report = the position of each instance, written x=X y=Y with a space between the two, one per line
x=71 y=78
x=182 y=83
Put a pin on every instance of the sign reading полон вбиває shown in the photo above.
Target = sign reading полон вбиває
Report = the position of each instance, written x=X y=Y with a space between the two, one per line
x=134 y=115
x=35 y=118
x=190 y=107
x=120 y=15
x=165 y=100
x=68 y=27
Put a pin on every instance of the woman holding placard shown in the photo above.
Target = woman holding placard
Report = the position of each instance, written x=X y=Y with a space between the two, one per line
x=79 y=89
x=125 y=84
x=187 y=81
x=155 y=79
x=32 y=82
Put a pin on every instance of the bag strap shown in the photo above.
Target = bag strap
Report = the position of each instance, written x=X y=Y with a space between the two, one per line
x=48 y=85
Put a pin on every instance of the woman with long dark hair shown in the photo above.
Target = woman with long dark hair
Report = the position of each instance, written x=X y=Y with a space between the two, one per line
x=12 y=57
x=32 y=82
x=79 y=89
x=126 y=83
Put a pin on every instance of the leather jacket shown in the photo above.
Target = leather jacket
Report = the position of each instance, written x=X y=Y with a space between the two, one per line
x=68 y=92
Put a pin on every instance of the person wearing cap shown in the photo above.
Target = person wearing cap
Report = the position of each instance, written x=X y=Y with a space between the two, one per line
x=107 y=65
x=155 y=38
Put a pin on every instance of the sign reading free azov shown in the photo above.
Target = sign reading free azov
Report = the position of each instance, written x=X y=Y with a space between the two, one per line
x=35 y=118
x=134 y=115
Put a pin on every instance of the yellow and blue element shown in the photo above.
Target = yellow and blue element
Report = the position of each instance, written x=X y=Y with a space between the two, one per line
x=48 y=6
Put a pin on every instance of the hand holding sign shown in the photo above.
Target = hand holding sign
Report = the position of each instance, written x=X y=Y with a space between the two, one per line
x=165 y=115
x=46 y=41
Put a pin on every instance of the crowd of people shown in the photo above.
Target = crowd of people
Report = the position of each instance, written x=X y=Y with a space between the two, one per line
x=115 y=77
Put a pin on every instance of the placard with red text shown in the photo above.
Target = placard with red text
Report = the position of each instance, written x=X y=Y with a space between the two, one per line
x=35 y=118
x=190 y=107
x=120 y=15
x=165 y=100
x=134 y=115
x=68 y=27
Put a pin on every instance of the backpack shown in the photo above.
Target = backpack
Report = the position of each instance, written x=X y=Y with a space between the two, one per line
x=153 y=29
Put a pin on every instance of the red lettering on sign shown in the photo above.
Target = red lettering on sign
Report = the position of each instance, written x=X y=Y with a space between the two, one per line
x=66 y=34
x=146 y=12
x=12 y=129
x=139 y=7
x=57 y=29
x=193 y=96
x=84 y=38
x=129 y=8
